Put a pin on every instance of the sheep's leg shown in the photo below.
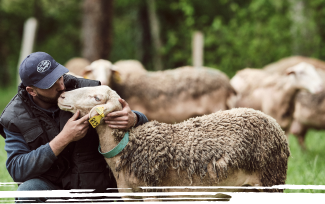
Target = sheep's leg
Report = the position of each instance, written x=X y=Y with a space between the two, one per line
x=299 y=130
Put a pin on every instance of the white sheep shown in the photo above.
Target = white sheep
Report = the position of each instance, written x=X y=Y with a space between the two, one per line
x=238 y=147
x=274 y=94
x=166 y=96
x=309 y=108
x=77 y=66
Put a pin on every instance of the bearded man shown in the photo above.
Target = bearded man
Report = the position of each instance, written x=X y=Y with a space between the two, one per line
x=48 y=148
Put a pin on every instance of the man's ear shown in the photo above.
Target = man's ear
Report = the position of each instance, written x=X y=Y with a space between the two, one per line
x=31 y=90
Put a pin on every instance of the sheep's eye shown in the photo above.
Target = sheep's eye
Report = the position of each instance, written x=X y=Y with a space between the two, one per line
x=97 y=99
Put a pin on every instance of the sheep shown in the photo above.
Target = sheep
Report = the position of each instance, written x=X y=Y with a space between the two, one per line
x=309 y=108
x=73 y=74
x=281 y=65
x=77 y=66
x=168 y=96
x=237 y=147
x=274 y=94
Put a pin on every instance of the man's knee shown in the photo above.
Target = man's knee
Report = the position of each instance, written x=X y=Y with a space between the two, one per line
x=35 y=185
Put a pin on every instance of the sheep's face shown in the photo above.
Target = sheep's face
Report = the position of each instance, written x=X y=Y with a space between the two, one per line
x=100 y=70
x=85 y=99
x=306 y=77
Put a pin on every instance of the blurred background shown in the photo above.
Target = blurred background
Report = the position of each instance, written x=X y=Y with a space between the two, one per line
x=236 y=33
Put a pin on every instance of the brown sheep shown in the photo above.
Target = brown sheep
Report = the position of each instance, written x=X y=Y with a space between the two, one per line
x=274 y=94
x=168 y=96
x=309 y=108
x=238 y=147
x=77 y=66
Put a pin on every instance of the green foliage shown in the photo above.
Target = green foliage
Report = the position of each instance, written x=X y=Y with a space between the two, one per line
x=238 y=33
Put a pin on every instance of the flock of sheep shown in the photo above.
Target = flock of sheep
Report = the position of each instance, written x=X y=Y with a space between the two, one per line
x=204 y=129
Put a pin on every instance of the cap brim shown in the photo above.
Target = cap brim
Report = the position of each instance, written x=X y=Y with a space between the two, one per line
x=52 y=77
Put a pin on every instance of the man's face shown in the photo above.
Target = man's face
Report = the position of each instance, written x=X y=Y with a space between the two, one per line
x=52 y=94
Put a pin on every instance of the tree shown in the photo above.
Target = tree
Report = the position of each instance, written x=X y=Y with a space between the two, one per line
x=301 y=28
x=97 y=29
x=155 y=34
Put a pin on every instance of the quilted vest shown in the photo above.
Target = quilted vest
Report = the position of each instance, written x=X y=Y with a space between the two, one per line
x=79 y=165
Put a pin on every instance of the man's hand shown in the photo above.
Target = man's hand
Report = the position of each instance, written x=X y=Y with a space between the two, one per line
x=74 y=130
x=123 y=119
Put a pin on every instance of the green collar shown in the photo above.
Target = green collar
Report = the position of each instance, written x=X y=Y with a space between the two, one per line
x=116 y=149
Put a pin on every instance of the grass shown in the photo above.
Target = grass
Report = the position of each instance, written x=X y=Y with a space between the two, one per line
x=6 y=94
x=304 y=167
x=307 y=167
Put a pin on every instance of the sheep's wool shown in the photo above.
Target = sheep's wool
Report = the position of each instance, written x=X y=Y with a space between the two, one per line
x=312 y=101
x=243 y=138
x=170 y=83
x=257 y=78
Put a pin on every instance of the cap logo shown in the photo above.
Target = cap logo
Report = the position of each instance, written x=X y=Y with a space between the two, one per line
x=43 y=66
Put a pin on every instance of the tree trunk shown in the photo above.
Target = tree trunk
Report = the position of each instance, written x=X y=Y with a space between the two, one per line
x=155 y=34
x=301 y=28
x=97 y=29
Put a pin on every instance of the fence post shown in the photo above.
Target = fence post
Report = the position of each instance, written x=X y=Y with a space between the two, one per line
x=27 y=44
x=197 y=49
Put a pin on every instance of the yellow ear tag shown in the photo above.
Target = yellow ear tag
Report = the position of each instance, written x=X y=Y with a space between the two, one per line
x=117 y=77
x=95 y=121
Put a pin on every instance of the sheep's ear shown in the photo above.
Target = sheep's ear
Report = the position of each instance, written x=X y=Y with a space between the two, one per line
x=107 y=108
x=88 y=69
x=116 y=74
x=290 y=70
x=114 y=68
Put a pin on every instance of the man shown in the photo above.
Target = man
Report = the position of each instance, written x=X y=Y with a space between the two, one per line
x=50 y=149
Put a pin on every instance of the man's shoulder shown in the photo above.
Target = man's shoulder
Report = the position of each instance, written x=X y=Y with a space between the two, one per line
x=15 y=110
x=13 y=107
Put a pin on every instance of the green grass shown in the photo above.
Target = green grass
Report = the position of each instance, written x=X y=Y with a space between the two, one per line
x=6 y=95
x=305 y=167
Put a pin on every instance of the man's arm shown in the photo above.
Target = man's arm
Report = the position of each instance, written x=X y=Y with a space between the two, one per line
x=23 y=163
x=141 y=118
x=74 y=130
x=126 y=118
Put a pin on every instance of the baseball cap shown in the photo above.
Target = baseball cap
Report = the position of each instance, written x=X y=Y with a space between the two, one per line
x=39 y=69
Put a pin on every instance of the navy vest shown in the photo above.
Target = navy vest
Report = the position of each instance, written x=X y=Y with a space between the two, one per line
x=79 y=165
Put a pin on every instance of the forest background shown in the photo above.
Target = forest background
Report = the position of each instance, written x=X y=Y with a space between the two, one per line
x=237 y=33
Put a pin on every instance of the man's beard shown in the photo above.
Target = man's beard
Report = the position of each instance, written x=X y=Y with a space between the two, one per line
x=45 y=99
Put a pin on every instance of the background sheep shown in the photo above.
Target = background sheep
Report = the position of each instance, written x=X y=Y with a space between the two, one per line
x=77 y=66
x=171 y=95
x=238 y=147
x=309 y=108
x=274 y=94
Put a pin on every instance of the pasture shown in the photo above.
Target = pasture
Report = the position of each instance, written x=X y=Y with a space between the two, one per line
x=305 y=168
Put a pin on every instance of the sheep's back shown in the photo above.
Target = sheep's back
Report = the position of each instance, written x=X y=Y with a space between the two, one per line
x=170 y=83
x=243 y=138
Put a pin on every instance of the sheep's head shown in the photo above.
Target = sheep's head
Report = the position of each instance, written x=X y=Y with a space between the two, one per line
x=100 y=70
x=306 y=77
x=88 y=98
